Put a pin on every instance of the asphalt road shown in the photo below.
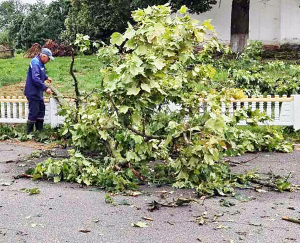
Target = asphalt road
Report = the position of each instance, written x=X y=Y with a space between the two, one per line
x=66 y=212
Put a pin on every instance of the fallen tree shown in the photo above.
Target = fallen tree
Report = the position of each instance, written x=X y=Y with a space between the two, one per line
x=129 y=122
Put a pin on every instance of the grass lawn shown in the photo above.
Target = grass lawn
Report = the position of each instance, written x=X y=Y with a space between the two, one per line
x=86 y=68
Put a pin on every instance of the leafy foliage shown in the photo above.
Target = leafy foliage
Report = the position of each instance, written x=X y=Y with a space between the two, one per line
x=88 y=172
x=147 y=112
x=249 y=73
x=19 y=132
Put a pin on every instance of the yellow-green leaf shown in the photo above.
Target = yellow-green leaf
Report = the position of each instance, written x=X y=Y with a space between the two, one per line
x=139 y=225
x=133 y=91
x=154 y=84
x=123 y=109
x=183 y=9
x=208 y=25
x=159 y=64
x=116 y=39
x=136 y=118
x=145 y=87
x=199 y=36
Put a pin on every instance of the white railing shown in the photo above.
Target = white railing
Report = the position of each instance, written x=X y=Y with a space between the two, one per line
x=15 y=110
x=284 y=110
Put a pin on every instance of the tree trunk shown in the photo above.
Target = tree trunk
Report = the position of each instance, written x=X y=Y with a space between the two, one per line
x=239 y=24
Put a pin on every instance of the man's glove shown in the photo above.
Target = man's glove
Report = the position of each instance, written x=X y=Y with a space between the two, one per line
x=49 y=80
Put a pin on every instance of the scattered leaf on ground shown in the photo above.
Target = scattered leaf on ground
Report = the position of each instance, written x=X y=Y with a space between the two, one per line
x=218 y=216
x=226 y=203
x=243 y=198
x=221 y=226
x=139 y=224
x=153 y=206
x=31 y=191
x=260 y=190
x=6 y=184
x=124 y=202
x=109 y=199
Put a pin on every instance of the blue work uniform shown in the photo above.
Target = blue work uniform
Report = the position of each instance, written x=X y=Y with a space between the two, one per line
x=34 y=89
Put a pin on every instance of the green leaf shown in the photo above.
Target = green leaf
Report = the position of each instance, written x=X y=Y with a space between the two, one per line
x=139 y=224
x=173 y=124
x=134 y=70
x=141 y=50
x=130 y=32
x=116 y=39
x=103 y=134
x=207 y=23
x=183 y=9
x=199 y=36
x=146 y=87
x=56 y=179
x=159 y=64
x=159 y=29
x=131 y=156
x=133 y=91
x=154 y=84
x=136 y=118
x=123 y=109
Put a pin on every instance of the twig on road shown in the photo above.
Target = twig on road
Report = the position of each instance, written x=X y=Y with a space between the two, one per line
x=297 y=221
x=235 y=163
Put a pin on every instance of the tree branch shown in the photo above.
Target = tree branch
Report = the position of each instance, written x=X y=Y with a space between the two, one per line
x=148 y=137
x=75 y=81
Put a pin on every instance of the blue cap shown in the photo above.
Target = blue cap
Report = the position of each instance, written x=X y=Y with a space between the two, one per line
x=47 y=52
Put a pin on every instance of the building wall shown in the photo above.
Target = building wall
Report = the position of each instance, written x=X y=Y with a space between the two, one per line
x=265 y=21
x=221 y=19
x=290 y=22
x=273 y=22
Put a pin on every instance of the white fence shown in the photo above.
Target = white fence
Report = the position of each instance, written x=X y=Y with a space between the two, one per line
x=15 y=110
x=284 y=110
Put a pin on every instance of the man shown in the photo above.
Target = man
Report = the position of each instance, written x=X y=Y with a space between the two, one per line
x=34 y=89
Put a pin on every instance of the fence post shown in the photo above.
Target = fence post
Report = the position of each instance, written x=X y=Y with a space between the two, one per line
x=296 y=112
x=53 y=113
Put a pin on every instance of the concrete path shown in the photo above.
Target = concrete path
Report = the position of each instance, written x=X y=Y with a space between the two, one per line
x=66 y=212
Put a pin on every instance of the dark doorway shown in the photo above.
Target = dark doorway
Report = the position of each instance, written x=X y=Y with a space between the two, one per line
x=239 y=24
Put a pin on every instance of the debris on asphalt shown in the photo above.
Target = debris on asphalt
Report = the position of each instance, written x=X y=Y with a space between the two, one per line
x=297 y=221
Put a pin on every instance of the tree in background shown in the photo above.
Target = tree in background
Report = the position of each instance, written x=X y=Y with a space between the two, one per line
x=8 y=10
x=56 y=13
x=32 y=29
x=11 y=13
x=198 y=6
x=99 y=19
x=63 y=19
x=33 y=23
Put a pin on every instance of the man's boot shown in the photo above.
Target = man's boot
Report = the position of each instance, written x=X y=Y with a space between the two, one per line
x=39 y=125
x=30 y=126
